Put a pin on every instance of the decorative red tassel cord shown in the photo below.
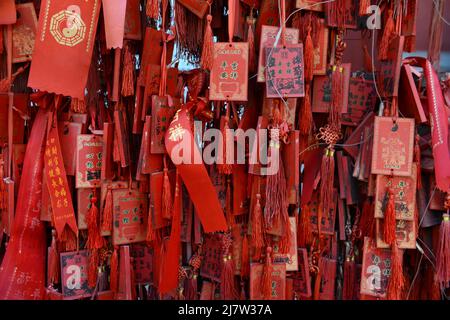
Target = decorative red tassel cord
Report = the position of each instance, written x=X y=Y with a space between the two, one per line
x=388 y=33
x=245 y=259
x=309 y=57
x=266 y=279
x=95 y=239
x=114 y=272
x=364 y=7
x=389 y=218
x=128 y=73
x=69 y=239
x=306 y=116
x=443 y=252
x=229 y=204
x=225 y=167
x=336 y=97
x=167 y=200
x=417 y=159
x=107 y=212
x=207 y=58
x=396 y=279
x=227 y=285
x=327 y=181
x=257 y=228
x=152 y=9
x=92 y=268
x=349 y=279
x=53 y=264
x=305 y=232
x=151 y=236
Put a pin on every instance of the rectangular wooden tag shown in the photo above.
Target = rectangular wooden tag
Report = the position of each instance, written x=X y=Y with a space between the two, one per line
x=133 y=21
x=278 y=281
x=290 y=259
x=163 y=110
x=229 y=74
x=142 y=263
x=268 y=38
x=404 y=189
x=292 y=166
x=389 y=70
x=328 y=220
x=321 y=51
x=212 y=257
x=121 y=130
x=302 y=279
x=68 y=133
x=284 y=71
x=107 y=171
x=393 y=146
x=405 y=233
x=376 y=268
x=84 y=204
x=89 y=160
x=197 y=7
x=130 y=216
x=156 y=185
x=24 y=31
x=361 y=100
x=328 y=273
x=74 y=275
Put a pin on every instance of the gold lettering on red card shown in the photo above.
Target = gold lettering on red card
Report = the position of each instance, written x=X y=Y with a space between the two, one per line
x=89 y=161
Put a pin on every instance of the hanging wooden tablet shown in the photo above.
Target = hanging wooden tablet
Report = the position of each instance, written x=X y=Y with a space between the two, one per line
x=348 y=14
x=302 y=279
x=409 y=102
x=284 y=71
x=268 y=16
x=328 y=279
x=18 y=158
x=212 y=257
x=352 y=144
x=361 y=100
x=8 y=13
x=321 y=99
x=229 y=74
x=125 y=290
x=123 y=143
x=130 y=216
x=107 y=169
x=197 y=7
x=268 y=38
x=376 y=269
x=151 y=163
x=404 y=189
x=142 y=263
x=393 y=146
x=156 y=191
x=239 y=182
x=187 y=217
x=68 y=134
x=328 y=218
x=389 y=69
x=289 y=109
x=292 y=166
x=133 y=30
x=278 y=281
x=74 y=275
x=237 y=233
x=163 y=110
x=321 y=50
x=405 y=234
x=89 y=161
x=24 y=32
x=291 y=258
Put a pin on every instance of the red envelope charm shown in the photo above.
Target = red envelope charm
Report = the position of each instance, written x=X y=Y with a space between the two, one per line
x=229 y=74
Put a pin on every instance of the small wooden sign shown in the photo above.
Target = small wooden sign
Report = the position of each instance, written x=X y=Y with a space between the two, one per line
x=89 y=161
x=393 y=146
x=278 y=281
x=229 y=74
x=405 y=233
x=74 y=275
x=302 y=279
x=24 y=32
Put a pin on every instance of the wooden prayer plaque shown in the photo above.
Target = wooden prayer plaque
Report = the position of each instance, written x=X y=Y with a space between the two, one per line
x=197 y=7
x=393 y=146
x=278 y=281
x=404 y=192
x=212 y=257
x=229 y=74
x=68 y=133
x=142 y=263
x=74 y=275
x=89 y=161
x=361 y=100
x=84 y=197
x=24 y=32
x=130 y=216
x=389 y=70
x=328 y=277
x=132 y=29
x=290 y=259
x=163 y=111
x=302 y=279
x=268 y=37
x=405 y=233
x=285 y=72
x=321 y=51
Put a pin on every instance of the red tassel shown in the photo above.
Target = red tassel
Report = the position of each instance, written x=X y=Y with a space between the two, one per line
x=309 y=58
x=53 y=263
x=225 y=168
x=95 y=239
x=364 y=7
x=69 y=239
x=417 y=159
x=336 y=97
x=1 y=41
x=257 y=228
x=349 y=279
x=227 y=287
x=192 y=288
x=327 y=181
x=443 y=253
x=251 y=45
x=2 y=186
x=92 y=268
x=152 y=9
x=229 y=205
x=306 y=116
x=266 y=287
x=166 y=196
x=367 y=60
x=305 y=232
x=128 y=73
x=245 y=260
x=114 y=272
x=388 y=33
x=78 y=105
x=396 y=280
x=151 y=236
x=206 y=61
x=107 y=212
x=390 y=223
